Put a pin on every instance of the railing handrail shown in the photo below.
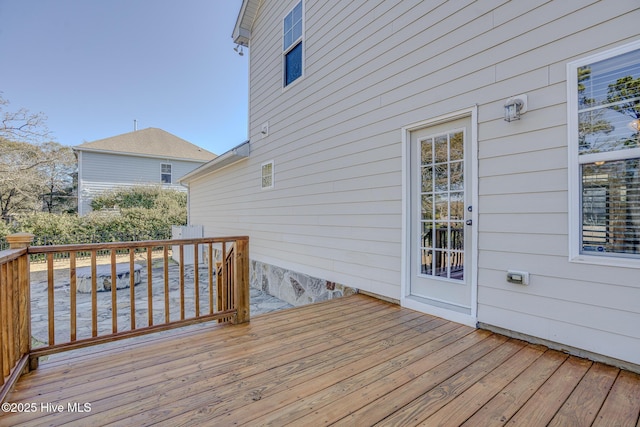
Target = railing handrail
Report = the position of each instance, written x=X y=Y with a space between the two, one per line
x=11 y=254
x=77 y=247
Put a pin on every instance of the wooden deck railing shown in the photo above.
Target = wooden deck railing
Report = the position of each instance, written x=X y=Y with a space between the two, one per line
x=15 y=335
x=76 y=320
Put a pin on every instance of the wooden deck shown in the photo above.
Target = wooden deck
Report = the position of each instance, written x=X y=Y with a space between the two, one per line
x=355 y=361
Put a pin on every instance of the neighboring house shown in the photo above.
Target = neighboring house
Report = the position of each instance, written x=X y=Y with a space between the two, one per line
x=383 y=158
x=144 y=157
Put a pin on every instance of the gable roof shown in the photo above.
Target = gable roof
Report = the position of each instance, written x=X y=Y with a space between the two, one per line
x=244 y=24
x=152 y=142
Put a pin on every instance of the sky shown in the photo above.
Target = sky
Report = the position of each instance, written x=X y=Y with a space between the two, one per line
x=94 y=66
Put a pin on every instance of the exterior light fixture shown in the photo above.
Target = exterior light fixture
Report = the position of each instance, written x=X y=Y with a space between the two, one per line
x=238 y=49
x=514 y=107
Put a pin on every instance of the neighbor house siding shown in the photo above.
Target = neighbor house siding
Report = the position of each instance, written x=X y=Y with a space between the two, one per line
x=103 y=172
x=372 y=68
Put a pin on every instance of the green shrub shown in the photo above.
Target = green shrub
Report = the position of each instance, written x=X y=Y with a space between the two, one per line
x=144 y=213
x=50 y=228
x=147 y=197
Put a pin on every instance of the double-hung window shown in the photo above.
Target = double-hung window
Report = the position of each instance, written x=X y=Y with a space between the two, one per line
x=165 y=173
x=604 y=156
x=292 y=48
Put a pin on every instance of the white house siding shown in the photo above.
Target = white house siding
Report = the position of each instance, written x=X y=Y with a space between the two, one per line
x=102 y=172
x=335 y=138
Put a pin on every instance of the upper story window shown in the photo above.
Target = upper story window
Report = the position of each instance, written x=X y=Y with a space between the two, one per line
x=604 y=155
x=165 y=173
x=292 y=48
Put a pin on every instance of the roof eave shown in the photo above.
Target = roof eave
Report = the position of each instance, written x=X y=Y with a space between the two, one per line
x=244 y=24
x=150 y=156
x=232 y=156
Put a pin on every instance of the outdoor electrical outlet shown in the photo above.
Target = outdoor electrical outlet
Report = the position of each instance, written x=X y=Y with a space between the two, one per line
x=518 y=277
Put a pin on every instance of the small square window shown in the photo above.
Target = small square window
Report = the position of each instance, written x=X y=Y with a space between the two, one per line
x=267 y=175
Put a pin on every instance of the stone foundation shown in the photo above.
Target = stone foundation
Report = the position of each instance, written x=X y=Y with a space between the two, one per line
x=293 y=287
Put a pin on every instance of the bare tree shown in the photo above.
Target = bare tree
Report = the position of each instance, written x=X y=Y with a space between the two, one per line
x=59 y=173
x=22 y=125
x=34 y=172
x=20 y=179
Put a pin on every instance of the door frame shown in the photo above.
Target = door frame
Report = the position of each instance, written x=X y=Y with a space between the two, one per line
x=406 y=300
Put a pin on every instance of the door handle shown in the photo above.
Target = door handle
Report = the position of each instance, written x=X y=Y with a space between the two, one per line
x=468 y=222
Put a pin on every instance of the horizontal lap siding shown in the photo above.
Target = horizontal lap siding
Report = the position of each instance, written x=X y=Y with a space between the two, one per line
x=370 y=69
x=101 y=167
x=523 y=196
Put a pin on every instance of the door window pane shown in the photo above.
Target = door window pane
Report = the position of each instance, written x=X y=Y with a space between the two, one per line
x=442 y=195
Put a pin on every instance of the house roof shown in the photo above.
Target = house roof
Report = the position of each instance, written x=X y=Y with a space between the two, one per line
x=244 y=23
x=149 y=142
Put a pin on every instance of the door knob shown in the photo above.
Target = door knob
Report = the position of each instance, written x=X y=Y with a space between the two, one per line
x=468 y=222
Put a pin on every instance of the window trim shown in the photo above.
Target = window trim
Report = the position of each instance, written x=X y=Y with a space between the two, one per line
x=285 y=51
x=163 y=173
x=262 y=176
x=576 y=160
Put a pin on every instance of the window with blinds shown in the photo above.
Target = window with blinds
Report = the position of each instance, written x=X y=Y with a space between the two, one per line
x=607 y=106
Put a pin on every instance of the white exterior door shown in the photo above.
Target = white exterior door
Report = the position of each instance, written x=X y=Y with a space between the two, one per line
x=440 y=219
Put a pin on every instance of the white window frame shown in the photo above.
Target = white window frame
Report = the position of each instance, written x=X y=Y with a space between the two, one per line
x=271 y=176
x=291 y=46
x=576 y=160
x=164 y=173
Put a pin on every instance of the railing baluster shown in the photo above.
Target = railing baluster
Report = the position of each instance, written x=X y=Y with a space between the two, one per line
x=219 y=286
x=94 y=294
x=181 y=282
x=210 y=276
x=4 y=362
x=132 y=290
x=230 y=276
x=24 y=289
x=196 y=280
x=166 y=282
x=72 y=295
x=150 y=285
x=223 y=280
x=4 y=317
x=114 y=295
x=52 y=333
x=13 y=308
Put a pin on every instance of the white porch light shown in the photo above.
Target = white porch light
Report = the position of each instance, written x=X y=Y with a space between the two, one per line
x=514 y=107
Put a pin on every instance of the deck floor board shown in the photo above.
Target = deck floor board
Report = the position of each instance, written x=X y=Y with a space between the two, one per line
x=351 y=361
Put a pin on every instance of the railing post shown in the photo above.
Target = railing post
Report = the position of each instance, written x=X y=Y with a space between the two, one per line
x=20 y=241
x=241 y=280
